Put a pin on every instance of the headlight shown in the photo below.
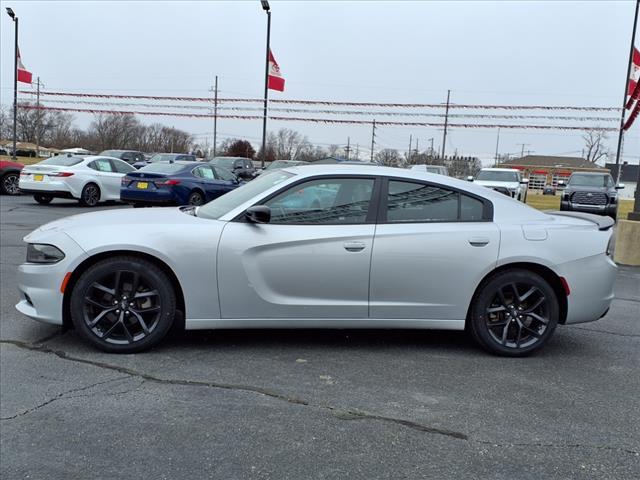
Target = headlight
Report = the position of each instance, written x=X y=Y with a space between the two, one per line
x=41 y=253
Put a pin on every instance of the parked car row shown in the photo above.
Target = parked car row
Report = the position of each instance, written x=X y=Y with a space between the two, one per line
x=96 y=179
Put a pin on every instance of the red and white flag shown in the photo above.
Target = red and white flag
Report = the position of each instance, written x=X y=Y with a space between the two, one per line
x=24 y=75
x=276 y=81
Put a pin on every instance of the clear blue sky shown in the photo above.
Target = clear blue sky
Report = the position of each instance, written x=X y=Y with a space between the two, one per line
x=518 y=52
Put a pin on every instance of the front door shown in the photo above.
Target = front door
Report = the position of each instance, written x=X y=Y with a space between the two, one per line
x=432 y=247
x=310 y=261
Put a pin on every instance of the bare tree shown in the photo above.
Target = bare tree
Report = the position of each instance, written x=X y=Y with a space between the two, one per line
x=114 y=131
x=389 y=157
x=594 y=143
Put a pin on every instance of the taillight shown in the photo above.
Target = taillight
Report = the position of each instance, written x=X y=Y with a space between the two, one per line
x=167 y=183
x=60 y=174
x=124 y=181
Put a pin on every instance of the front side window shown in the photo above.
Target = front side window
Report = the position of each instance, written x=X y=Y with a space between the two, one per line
x=325 y=201
x=417 y=202
x=224 y=174
x=229 y=201
x=122 y=167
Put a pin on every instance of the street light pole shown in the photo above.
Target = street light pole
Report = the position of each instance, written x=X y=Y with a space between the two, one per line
x=15 y=79
x=266 y=8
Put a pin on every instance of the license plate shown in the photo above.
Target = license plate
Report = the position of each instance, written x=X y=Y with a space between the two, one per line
x=143 y=185
x=38 y=178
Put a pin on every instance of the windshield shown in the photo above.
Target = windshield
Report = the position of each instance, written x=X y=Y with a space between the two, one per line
x=497 y=176
x=591 y=181
x=279 y=164
x=111 y=153
x=62 y=161
x=224 y=162
x=227 y=202
x=163 y=157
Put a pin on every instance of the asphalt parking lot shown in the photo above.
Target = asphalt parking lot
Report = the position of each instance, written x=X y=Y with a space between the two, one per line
x=313 y=404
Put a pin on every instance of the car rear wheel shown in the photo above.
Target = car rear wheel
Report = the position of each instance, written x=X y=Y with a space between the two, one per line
x=123 y=305
x=514 y=313
x=9 y=184
x=196 y=199
x=90 y=195
x=43 y=199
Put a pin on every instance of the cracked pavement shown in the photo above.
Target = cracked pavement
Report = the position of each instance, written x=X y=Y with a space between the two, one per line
x=313 y=404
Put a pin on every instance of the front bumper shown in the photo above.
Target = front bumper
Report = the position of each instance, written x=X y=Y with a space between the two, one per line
x=39 y=284
x=591 y=282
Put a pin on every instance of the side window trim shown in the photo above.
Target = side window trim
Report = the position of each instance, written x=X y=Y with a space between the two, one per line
x=374 y=204
x=487 y=211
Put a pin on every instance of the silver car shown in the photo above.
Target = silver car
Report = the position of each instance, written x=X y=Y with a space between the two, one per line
x=330 y=246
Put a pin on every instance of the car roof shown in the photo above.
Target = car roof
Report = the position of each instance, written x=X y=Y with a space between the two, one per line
x=495 y=169
x=590 y=173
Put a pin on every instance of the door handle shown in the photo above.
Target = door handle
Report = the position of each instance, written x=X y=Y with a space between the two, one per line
x=354 y=246
x=479 y=241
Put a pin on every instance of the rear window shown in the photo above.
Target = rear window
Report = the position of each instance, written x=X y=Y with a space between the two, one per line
x=62 y=161
x=162 y=167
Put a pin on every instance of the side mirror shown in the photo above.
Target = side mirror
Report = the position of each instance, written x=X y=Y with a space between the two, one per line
x=524 y=181
x=620 y=186
x=258 y=214
x=469 y=178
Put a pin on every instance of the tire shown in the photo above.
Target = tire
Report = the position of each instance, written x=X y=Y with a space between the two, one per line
x=513 y=323
x=43 y=199
x=103 y=312
x=90 y=195
x=196 y=198
x=9 y=184
x=564 y=206
x=613 y=214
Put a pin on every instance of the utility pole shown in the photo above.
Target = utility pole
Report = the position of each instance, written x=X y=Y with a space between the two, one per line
x=373 y=138
x=215 y=116
x=497 y=145
x=417 y=149
x=409 y=151
x=523 y=145
x=266 y=8
x=446 y=122
x=38 y=85
x=348 y=147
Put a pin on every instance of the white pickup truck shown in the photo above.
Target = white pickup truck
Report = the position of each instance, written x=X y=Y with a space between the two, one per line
x=505 y=180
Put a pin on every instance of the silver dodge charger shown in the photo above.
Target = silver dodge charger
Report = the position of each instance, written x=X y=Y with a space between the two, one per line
x=330 y=246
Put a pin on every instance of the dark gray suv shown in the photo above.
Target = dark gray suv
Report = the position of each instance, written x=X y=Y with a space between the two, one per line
x=591 y=192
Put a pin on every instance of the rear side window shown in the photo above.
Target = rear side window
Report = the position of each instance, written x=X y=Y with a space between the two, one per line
x=101 y=165
x=410 y=202
x=204 y=172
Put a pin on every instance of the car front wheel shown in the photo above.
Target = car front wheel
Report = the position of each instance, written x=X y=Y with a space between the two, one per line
x=90 y=195
x=514 y=313
x=123 y=304
x=43 y=199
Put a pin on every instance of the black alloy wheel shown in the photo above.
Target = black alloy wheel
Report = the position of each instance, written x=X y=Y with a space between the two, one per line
x=196 y=199
x=123 y=305
x=43 y=199
x=514 y=313
x=9 y=184
x=90 y=195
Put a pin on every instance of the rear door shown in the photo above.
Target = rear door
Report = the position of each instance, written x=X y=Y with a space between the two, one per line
x=207 y=179
x=107 y=177
x=311 y=260
x=432 y=246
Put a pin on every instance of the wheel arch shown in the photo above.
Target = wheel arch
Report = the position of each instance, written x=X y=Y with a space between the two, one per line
x=551 y=277
x=92 y=260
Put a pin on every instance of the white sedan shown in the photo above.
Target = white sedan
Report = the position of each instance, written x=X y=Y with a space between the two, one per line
x=89 y=179
x=329 y=246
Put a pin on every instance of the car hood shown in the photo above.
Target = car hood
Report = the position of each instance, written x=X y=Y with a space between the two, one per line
x=118 y=221
x=493 y=183
x=579 y=188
